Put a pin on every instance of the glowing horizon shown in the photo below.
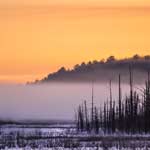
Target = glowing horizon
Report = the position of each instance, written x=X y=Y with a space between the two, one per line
x=40 y=39
x=78 y=2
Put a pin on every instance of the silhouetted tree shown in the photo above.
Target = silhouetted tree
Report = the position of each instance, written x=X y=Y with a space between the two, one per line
x=130 y=115
x=111 y=59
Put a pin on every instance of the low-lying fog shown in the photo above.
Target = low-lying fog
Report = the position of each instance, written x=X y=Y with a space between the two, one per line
x=53 y=101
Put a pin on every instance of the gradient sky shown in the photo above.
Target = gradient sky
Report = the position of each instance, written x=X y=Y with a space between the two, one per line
x=39 y=36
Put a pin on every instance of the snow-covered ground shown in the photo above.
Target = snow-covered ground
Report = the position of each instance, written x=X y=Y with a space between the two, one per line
x=61 y=137
x=83 y=148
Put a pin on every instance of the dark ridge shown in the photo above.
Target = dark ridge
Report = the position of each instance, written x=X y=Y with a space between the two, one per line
x=101 y=71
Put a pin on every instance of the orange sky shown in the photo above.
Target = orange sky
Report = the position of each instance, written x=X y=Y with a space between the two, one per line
x=38 y=36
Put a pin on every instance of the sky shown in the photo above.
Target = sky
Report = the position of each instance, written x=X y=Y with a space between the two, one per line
x=39 y=36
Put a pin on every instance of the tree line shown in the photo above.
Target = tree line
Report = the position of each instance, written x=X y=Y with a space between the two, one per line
x=100 y=70
x=130 y=114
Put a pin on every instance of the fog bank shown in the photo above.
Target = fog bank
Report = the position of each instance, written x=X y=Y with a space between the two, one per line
x=54 y=101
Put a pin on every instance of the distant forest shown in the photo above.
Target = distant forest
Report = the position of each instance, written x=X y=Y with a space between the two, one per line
x=102 y=71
